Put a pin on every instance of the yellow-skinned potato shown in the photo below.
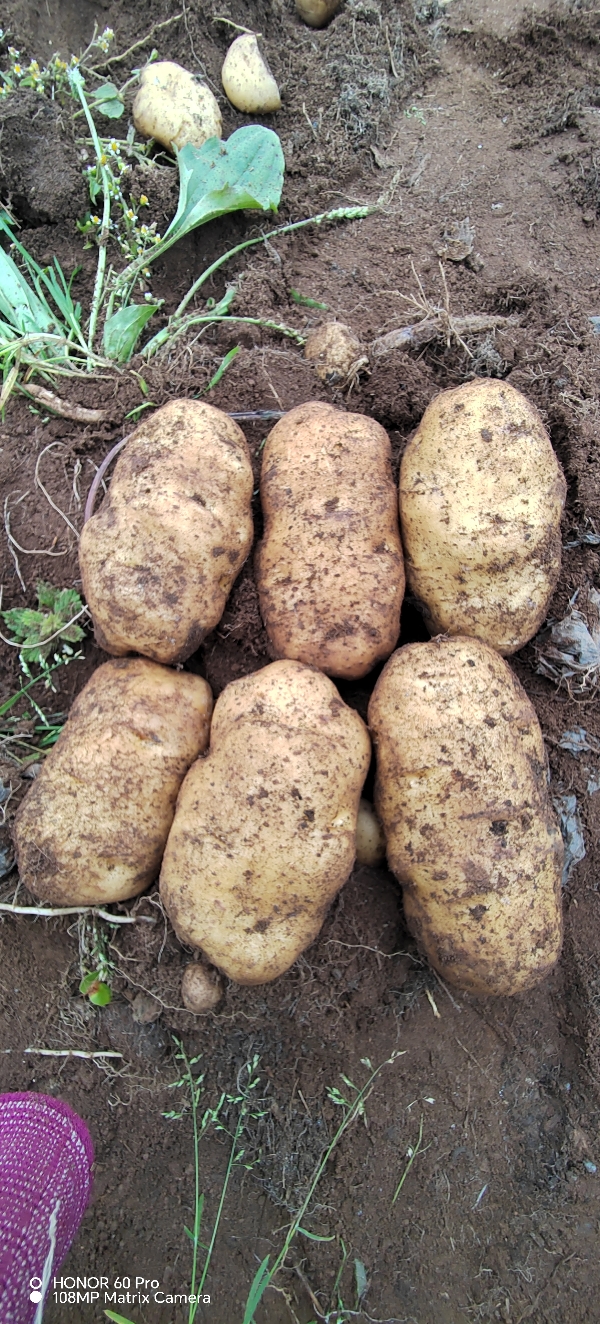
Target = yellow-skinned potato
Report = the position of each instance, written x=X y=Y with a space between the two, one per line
x=264 y=833
x=329 y=569
x=247 y=80
x=159 y=557
x=481 y=498
x=317 y=13
x=171 y=106
x=463 y=796
x=370 y=841
x=93 y=827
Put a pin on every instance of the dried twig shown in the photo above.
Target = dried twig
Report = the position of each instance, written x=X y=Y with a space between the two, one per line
x=118 y=59
x=72 y=1052
x=64 y=408
x=46 y=912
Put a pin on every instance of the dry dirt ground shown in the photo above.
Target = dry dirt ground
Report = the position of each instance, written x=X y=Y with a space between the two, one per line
x=444 y=111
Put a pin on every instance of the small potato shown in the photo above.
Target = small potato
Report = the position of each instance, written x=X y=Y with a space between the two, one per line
x=171 y=106
x=264 y=834
x=201 y=989
x=462 y=793
x=159 y=557
x=336 y=352
x=93 y=827
x=317 y=13
x=329 y=569
x=481 y=498
x=370 y=841
x=246 y=78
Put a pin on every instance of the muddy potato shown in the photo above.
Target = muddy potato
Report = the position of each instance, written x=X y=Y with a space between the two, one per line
x=463 y=796
x=335 y=351
x=159 y=557
x=264 y=833
x=171 y=106
x=93 y=827
x=329 y=569
x=201 y=989
x=481 y=498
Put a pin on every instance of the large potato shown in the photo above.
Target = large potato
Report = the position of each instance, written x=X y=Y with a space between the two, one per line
x=481 y=498
x=329 y=569
x=264 y=833
x=160 y=556
x=463 y=797
x=93 y=827
x=171 y=106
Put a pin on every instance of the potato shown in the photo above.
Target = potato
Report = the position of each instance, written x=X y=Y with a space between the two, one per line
x=171 y=106
x=481 y=497
x=462 y=794
x=93 y=827
x=246 y=78
x=159 y=557
x=264 y=833
x=335 y=351
x=201 y=989
x=370 y=841
x=329 y=569
x=317 y=13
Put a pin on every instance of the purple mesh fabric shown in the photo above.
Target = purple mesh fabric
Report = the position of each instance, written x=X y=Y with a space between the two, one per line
x=46 y=1157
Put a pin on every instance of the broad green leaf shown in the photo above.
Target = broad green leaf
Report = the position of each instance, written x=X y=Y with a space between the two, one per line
x=221 y=177
x=123 y=329
x=112 y=108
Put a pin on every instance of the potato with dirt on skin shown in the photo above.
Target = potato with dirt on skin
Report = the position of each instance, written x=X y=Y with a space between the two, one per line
x=481 y=499
x=172 y=107
x=462 y=793
x=330 y=572
x=158 y=559
x=93 y=827
x=264 y=834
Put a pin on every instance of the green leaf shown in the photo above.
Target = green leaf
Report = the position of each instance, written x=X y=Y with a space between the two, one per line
x=123 y=329
x=108 y=101
x=362 y=1281
x=259 y=1285
x=112 y=109
x=221 y=177
x=93 y=987
x=222 y=368
x=312 y=1236
x=306 y=302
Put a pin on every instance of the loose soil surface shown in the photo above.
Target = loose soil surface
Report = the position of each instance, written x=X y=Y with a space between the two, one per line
x=441 y=112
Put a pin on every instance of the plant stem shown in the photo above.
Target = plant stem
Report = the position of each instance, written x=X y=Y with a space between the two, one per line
x=254 y=1298
x=417 y=1150
x=338 y=214
x=207 y=319
x=77 y=82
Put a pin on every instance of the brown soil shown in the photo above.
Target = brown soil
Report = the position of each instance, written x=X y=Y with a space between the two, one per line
x=492 y=114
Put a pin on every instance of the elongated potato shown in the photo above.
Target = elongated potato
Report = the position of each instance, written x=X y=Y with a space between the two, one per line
x=264 y=833
x=481 y=498
x=329 y=569
x=160 y=556
x=463 y=797
x=93 y=827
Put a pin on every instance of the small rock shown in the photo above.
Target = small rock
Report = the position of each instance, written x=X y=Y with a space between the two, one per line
x=146 y=1042
x=145 y=1009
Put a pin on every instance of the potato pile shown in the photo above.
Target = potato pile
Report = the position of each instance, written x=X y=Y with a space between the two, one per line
x=258 y=835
